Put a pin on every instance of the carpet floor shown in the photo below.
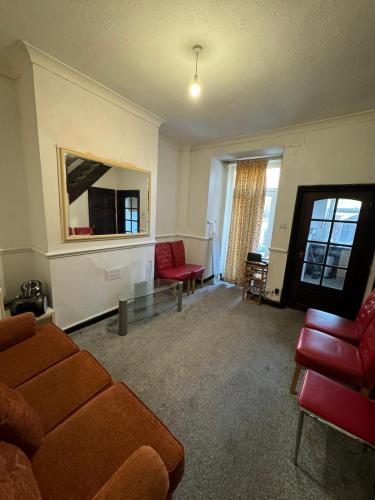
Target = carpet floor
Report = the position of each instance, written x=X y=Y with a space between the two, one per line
x=218 y=375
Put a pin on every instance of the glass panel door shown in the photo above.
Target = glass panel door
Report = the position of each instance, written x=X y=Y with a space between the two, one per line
x=329 y=242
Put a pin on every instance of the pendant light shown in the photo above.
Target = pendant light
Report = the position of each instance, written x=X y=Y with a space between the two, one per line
x=195 y=88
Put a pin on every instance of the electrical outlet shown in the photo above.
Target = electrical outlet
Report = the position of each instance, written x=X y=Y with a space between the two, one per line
x=113 y=274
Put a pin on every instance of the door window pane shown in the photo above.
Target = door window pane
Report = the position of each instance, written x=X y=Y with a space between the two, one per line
x=128 y=213
x=334 y=278
x=343 y=232
x=348 y=209
x=315 y=253
x=319 y=230
x=338 y=256
x=311 y=273
x=134 y=202
x=128 y=226
x=134 y=227
x=128 y=202
x=323 y=209
x=135 y=215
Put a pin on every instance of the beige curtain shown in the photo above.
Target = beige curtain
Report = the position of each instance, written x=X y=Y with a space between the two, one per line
x=247 y=214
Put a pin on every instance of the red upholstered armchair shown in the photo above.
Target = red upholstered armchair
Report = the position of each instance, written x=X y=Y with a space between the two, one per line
x=178 y=253
x=164 y=265
x=342 y=328
x=336 y=358
x=337 y=406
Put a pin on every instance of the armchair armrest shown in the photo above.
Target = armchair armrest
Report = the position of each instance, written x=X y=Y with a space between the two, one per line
x=15 y=329
x=142 y=476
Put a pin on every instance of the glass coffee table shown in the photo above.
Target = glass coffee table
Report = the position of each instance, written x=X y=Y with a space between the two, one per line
x=146 y=299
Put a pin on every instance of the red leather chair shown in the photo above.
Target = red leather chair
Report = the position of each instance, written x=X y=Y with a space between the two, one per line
x=342 y=328
x=336 y=358
x=337 y=406
x=164 y=265
x=178 y=253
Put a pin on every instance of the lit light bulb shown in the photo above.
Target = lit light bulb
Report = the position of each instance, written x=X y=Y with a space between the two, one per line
x=195 y=89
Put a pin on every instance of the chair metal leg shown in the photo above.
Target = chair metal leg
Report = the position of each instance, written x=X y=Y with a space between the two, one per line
x=202 y=281
x=297 y=371
x=188 y=287
x=298 y=438
x=192 y=285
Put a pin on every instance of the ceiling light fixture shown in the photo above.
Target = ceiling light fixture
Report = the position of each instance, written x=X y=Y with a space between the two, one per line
x=195 y=88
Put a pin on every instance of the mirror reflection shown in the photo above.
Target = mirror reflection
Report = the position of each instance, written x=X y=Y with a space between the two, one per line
x=102 y=198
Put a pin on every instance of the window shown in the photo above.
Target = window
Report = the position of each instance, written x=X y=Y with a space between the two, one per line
x=272 y=184
x=128 y=218
x=131 y=214
x=329 y=242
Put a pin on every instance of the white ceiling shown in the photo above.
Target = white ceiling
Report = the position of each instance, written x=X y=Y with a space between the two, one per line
x=265 y=63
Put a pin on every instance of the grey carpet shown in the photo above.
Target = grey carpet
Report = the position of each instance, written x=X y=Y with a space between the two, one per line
x=218 y=375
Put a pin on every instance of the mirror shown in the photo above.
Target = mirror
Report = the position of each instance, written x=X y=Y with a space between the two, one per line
x=102 y=198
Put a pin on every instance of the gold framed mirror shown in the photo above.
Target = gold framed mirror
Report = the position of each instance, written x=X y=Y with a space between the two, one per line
x=101 y=198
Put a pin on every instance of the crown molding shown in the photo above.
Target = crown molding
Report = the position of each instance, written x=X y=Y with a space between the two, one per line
x=344 y=120
x=14 y=59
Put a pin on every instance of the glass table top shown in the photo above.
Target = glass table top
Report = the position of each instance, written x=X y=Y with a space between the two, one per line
x=146 y=288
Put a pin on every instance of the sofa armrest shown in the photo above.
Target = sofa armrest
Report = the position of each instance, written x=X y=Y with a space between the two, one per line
x=142 y=476
x=16 y=329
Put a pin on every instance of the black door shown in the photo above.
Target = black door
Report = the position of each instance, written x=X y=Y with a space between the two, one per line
x=102 y=210
x=128 y=213
x=331 y=249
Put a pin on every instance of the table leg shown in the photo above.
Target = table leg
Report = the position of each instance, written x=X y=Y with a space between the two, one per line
x=180 y=290
x=123 y=317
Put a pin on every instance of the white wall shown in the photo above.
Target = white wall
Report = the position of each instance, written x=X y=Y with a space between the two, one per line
x=15 y=258
x=69 y=115
x=337 y=151
x=61 y=107
x=167 y=205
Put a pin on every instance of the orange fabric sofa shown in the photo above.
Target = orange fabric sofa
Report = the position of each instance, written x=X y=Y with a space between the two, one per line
x=99 y=441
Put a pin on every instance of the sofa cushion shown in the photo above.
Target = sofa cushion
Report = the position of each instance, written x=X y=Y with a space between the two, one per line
x=17 y=478
x=30 y=357
x=16 y=329
x=59 y=391
x=96 y=440
x=142 y=476
x=20 y=424
x=181 y=273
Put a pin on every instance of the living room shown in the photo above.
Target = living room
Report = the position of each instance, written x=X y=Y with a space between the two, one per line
x=109 y=85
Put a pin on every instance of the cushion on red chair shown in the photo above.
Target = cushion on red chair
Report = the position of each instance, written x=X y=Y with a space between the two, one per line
x=195 y=269
x=175 y=273
x=338 y=405
x=366 y=313
x=163 y=257
x=367 y=353
x=330 y=356
x=178 y=253
x=333 y=325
